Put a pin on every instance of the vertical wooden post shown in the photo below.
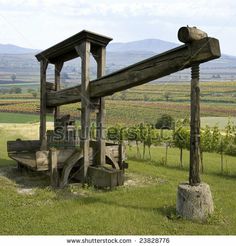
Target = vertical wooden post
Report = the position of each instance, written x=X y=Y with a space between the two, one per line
x=100 y=121
x=43 y=136
x=53 y=168
x=84 y=52
x=194 y=177
x=58 y=67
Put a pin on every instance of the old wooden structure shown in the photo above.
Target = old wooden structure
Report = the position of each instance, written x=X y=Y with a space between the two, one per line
x=87 y=156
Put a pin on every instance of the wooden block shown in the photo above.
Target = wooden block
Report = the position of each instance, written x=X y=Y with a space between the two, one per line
x=23 y=145
x=103 y=177
x=42 y=159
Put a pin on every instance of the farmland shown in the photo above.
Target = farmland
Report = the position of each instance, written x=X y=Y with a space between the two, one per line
x=144 y=103
x=146 y=204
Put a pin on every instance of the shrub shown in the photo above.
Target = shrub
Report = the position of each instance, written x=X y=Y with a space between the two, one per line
x=165 y=122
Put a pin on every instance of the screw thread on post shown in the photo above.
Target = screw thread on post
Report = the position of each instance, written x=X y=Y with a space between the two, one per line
x=195 y=71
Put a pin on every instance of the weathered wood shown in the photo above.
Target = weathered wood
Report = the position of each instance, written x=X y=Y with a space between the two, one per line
x=54 y=175
x=84 y=52
x=113 y=160
x=121 y=155
x=103 y=177
x=69 y=164
x=43 y=104
x=23 y=146
x=26 y=159
x=194 y=177
x=50 y=86
x=65 y=50
x=145 y=71
x=42 y=159
x=190 y=34
x=58 y=68
x=100 y=58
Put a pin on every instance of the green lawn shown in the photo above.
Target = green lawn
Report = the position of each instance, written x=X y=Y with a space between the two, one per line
x=145 y=205
x=20 y=118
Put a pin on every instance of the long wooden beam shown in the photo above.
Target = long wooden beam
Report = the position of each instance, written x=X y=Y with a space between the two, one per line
x=142 y=72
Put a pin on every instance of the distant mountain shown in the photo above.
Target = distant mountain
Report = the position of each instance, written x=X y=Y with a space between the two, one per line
x=13 y=49
x=18 y=60
x=146 y=45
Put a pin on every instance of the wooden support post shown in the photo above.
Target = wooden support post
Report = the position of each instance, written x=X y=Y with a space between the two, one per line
x=43 y=103
x=120 y=153
x=100 y=58
x=58 y=67
x=53 y=168
x=84 y=52
x=194 y=177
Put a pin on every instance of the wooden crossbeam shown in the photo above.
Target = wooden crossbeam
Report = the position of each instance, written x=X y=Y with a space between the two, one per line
x=142 y=72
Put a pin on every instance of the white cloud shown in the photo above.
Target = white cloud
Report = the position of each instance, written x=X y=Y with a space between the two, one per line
x=40 y=23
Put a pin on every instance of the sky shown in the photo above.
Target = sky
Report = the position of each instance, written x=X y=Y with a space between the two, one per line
x=42 y=23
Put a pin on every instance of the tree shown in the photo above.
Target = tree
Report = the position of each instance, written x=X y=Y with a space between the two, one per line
x=13 y=77
x=205 y=144
x=206 y=139
x=148 y=136
x=181 y=140
x=34 y=94
x=216 y=136
x=221 y=148
x=167 y=95
x=165 y=122
x=15 y=90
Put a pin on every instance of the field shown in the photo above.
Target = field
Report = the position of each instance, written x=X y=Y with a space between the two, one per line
x=144 y=103
x=145 y=205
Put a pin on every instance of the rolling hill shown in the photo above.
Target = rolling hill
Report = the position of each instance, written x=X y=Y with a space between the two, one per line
x=13 y=49
x=20 y=60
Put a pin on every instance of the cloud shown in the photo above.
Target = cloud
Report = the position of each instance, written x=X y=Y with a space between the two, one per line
x=43 y=22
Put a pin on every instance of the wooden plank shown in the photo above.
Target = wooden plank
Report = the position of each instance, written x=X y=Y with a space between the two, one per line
x=26 y=159
x=84 y=52
x=58 y=68
x=43 y=103
x=65 y=50
x=194 y=177
x=142 y=72
x=54 y=175
x=23 y=146
x=69 y=164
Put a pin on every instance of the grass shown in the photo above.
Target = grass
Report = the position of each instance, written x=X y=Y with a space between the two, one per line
x=220 y=121
x=20 y=118
x=146 y=205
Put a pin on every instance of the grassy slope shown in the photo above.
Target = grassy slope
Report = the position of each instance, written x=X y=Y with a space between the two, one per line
x=148 y=207
x=18 y=118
